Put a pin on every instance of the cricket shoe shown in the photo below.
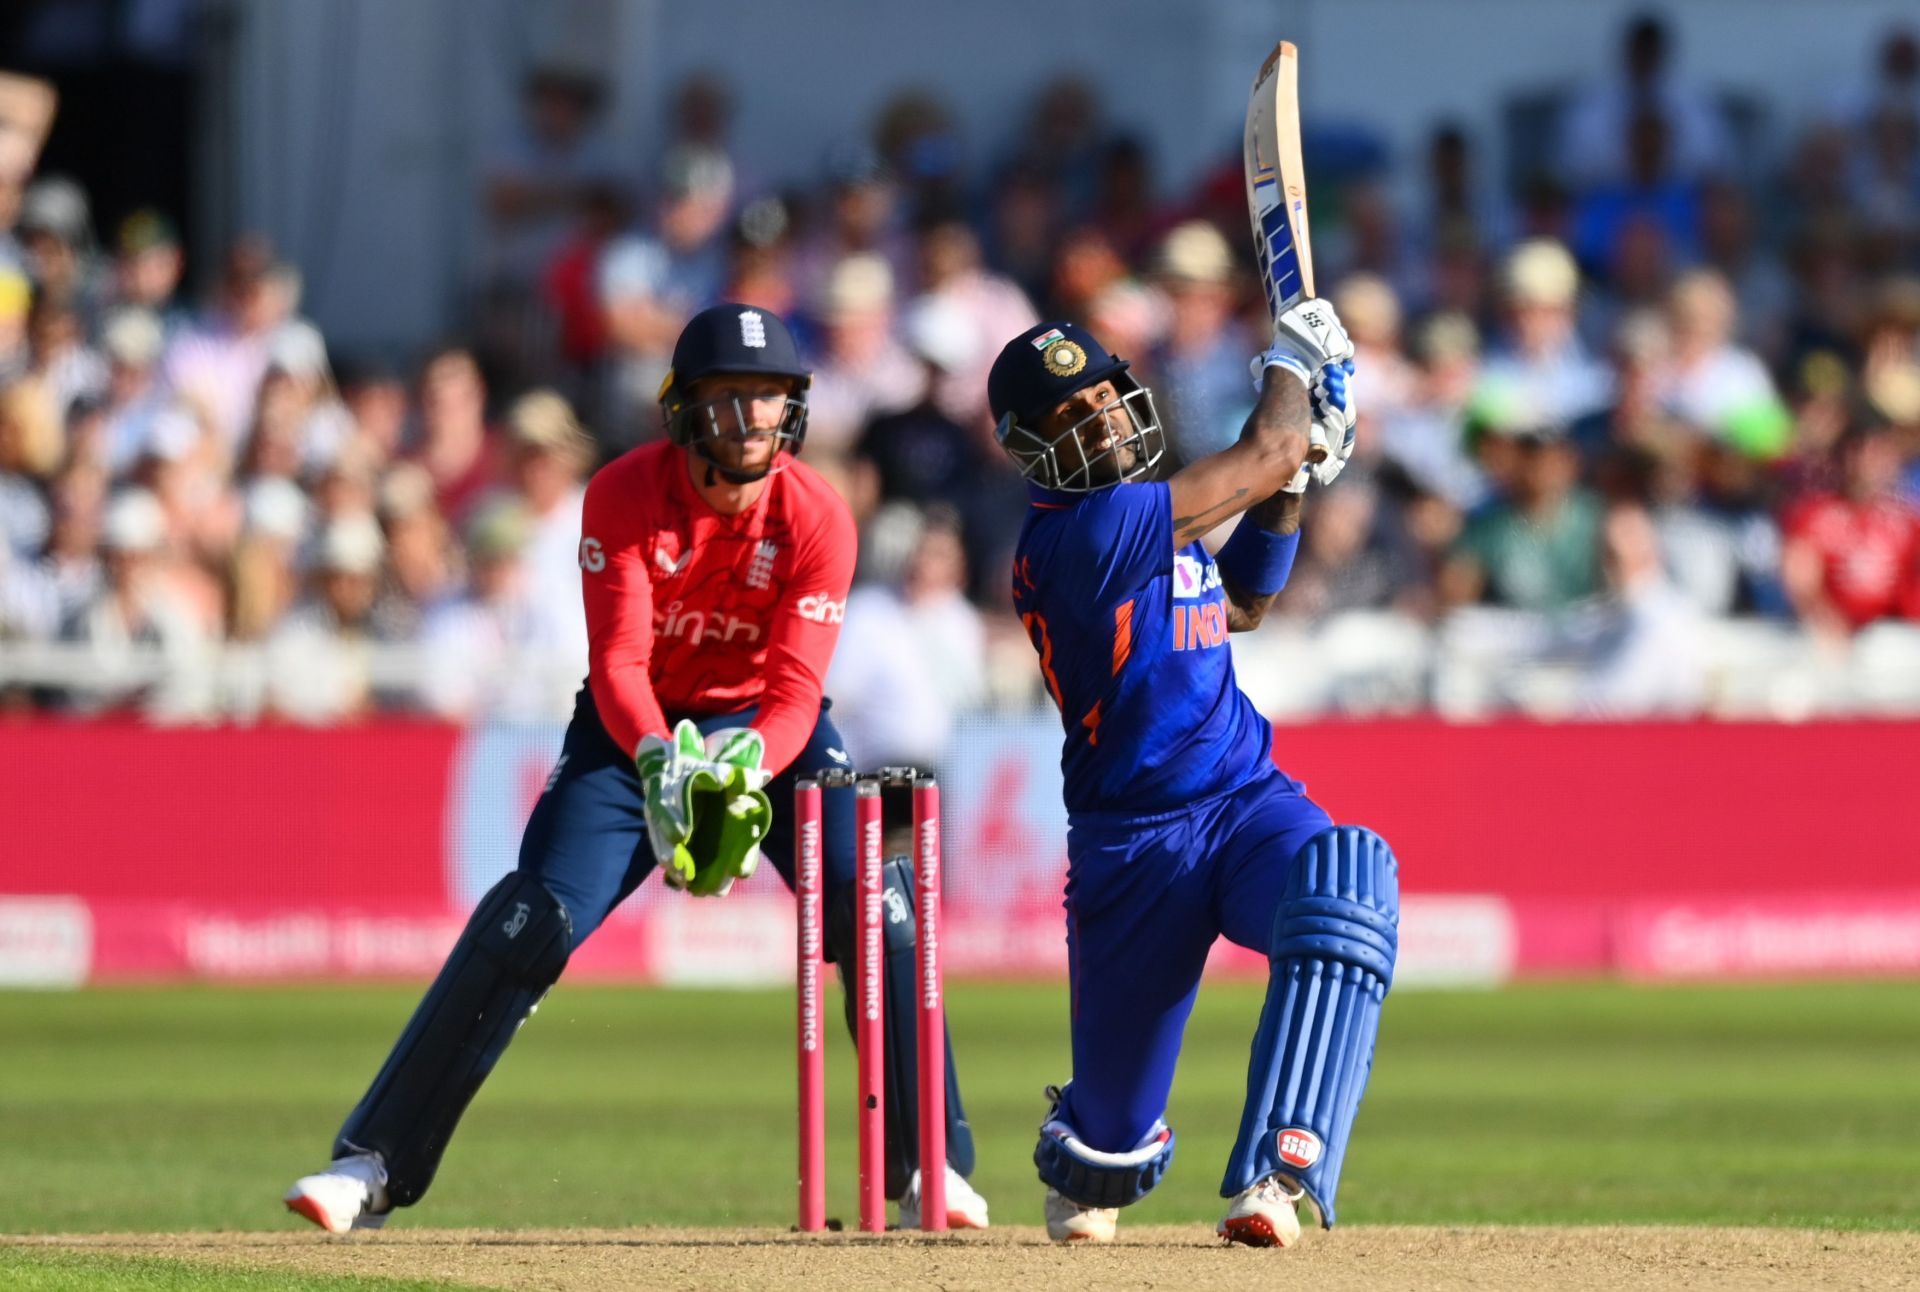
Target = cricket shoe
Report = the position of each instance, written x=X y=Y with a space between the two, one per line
x=350 y=1194
x=1263 y=1216
x=1070 y=1222
x=966 y=1209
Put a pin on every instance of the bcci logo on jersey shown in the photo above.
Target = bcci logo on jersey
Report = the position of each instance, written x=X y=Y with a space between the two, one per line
x=1193 y=577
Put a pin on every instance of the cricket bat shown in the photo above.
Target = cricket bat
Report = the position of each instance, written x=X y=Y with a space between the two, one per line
x=1277 y=187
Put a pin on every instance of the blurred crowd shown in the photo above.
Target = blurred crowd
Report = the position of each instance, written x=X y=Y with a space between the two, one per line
x=1670 y=378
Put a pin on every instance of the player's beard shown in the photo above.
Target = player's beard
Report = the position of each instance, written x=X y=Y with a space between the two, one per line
x=738 y=473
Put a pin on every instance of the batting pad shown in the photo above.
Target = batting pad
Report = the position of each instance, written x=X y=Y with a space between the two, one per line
x=1335 y=936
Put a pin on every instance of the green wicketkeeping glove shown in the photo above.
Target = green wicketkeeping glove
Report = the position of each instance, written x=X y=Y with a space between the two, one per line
x=706 y=806
x=666 y=764
x=732 y=812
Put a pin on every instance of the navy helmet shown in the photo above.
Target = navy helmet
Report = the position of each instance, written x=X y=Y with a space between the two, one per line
x=731 y=338
x=1045 y=365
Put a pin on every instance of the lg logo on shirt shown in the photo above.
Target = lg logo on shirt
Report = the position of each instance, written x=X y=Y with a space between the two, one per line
x=822 y=609
x=593 y=558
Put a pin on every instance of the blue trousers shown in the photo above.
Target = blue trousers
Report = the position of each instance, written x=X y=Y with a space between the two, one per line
x=1146 y=897
x=587 y=837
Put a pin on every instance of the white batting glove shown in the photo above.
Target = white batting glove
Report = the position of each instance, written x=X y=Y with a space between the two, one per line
x=1307 y=338
x=1334 y=416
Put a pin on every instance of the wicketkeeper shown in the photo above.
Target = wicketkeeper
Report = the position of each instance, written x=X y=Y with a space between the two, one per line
x=715 y=566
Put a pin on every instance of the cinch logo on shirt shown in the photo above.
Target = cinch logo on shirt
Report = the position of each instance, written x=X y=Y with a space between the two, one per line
x=1200 y=627
x=821 y=609
x=1193 y=577
x=699 y=626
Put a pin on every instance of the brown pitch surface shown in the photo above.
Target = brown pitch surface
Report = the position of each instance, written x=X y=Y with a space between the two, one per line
x=1181 y=1257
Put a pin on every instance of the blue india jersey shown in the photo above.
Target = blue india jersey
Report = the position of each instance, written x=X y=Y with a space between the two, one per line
x=1132 y=638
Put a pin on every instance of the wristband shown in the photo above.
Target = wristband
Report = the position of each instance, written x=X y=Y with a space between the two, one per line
x=1258 y=560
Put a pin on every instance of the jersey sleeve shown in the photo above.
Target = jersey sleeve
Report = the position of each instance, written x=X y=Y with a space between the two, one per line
x=619 y=604
x=1122 y=537
x=806 y=624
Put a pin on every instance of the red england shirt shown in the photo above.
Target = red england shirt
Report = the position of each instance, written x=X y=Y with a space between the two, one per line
x=1870 y=552
x=693 y=612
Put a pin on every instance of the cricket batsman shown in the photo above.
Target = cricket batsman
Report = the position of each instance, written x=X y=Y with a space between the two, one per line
x=1180 y=827
x=715 y=567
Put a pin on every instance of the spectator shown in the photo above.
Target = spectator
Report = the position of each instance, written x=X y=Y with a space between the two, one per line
x=297 y=394
x=133 y=613
x=375 y=395
x=217 y=364
x=1853 y=556
x=263 y=574
x=650 y=284
x=483 y=653
x=1200 y=364
x=992 y=306
x=922 y=455
x=1729 y=242
x=1650 y=192
x=1595 y=133
x=1536 y=547
x=1711 y=380
x=457 y=448
x=862 y=219
x=133 y=341
x=912 y=649
x=1351 y=558
x=55 y=227
x=319 y=657
x=148 y=268
x=32 y=446
x=862 y=371
x=550 y=455
x=422 y=564
x=1540 y=362
x=1424 y=438
x=1643 y=652
x=58 y=354
x=537 y=185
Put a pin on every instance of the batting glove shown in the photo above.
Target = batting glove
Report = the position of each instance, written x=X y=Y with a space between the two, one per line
x=1333 y=419
x=1306 y=339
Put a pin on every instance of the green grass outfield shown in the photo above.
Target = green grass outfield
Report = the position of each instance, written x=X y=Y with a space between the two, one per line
x=192 y=1109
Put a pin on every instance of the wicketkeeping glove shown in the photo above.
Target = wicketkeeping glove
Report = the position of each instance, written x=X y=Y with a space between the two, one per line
x=706 y=805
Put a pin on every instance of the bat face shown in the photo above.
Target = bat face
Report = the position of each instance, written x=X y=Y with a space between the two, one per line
x=1277 y=182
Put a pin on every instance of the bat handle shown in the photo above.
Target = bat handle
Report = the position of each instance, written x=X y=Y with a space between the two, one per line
x=1317 y=453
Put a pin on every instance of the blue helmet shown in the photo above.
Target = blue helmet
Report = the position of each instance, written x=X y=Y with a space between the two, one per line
x=1042 y=367
x=732 y=338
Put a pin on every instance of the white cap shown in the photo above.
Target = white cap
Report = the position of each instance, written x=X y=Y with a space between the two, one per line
x=1541 y=272
x=1195 y=252
x=941 y=332
x=171 y=434
x=859 y=284
x=350 y=545
x=298 y=349
x=275 y=508
x=134 y=522
x=132 y=337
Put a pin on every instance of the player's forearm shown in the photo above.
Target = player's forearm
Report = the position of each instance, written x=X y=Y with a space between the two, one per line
x=1276 y=430
x=1271 y=447
x=1253 y=582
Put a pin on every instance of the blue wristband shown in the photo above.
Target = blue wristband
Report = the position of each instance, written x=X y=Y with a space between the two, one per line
x=1258 y=560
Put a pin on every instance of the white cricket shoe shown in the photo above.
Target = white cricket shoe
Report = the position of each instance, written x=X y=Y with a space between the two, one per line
x=966 y=1209
x=1264 y=1215
x=1069 y=1222
x=350 y=1194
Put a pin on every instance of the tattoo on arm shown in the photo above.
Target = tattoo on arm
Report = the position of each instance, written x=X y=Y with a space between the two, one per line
x=1188 y=528
x=1279 y=514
